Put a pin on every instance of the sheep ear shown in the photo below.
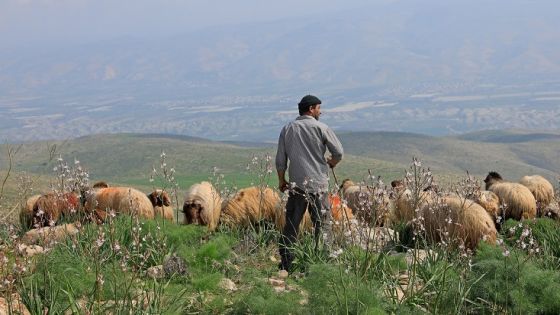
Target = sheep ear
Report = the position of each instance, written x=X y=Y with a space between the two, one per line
x=153 y=198
x=166 y=200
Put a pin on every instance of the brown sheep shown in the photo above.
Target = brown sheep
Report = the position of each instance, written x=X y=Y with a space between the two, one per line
x=121 y=200
x=26 y=212
x=162 y=204
x=520 y=202
x=202 y=205
x=458 y=221
x=406 y=205
x=49 y=208
x=251 y=205
x=365 y=204
x=100 y=184
x=339 y=213
x=489 y=201
x=541 y=189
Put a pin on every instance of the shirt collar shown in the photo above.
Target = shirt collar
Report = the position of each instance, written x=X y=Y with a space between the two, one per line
x=305 y=117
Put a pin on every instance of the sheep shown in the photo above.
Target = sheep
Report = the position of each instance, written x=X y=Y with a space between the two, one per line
x=26 y=212
x=50 y=207
x=121 y=200
x=365 y=201
x=518 y=199
x=202 y=205
x=251 y=205
x=162 y=204
x=457 y=221
x=406 y=204
x=339 y=213
x=357 y=198
x=100 y=184
x=541 y=189
x=489 y=201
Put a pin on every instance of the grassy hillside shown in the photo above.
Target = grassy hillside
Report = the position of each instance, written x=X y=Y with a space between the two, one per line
x=128 y=159
x=513 y=154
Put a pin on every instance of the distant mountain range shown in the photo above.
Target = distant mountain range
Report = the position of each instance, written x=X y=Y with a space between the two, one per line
x=415 y=66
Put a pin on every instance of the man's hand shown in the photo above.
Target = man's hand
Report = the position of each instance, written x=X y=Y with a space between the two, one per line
x=283 y=185
x=332 y=162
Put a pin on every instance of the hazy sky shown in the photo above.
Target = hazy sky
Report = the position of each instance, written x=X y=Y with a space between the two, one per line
x=29 y=21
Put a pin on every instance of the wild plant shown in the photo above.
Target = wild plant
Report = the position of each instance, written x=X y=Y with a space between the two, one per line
x=165 y=176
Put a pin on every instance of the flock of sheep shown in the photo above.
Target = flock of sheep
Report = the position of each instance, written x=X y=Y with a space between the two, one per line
x=441 y=217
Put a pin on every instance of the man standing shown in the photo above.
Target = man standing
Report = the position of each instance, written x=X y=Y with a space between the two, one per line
x=304 y=142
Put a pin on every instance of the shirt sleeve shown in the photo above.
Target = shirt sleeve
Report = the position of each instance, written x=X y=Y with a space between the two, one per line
x=333 y=144
x=281 y=156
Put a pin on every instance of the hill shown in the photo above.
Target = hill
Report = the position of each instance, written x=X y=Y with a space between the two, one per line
x=130 y=159
x=512 y=153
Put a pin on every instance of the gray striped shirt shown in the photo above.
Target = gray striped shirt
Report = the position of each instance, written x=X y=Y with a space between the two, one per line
x=304 y=142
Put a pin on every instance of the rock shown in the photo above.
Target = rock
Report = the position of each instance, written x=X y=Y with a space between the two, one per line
x=30 y=250
x=155 y=272
x=279 y=289
x=382 y=237
x=273 y=259
x=552 y=211
x=49 y=234
x=403 y=288
x=227 y=284
x=277 y=282
x=420 y=255
x=282 y=274
x=304 y=298
x=17 y=306
x=174 y=265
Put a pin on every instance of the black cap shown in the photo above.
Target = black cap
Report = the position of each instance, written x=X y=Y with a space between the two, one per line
x=308 y=101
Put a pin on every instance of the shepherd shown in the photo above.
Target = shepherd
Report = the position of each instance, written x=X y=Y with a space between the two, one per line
x=303 y=144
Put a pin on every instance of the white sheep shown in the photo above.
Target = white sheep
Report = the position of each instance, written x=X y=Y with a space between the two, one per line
x=518 y=201
x=541 y=189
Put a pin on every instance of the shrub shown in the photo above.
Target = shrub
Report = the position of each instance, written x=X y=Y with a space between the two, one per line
x=510 y=282
x=333 y=291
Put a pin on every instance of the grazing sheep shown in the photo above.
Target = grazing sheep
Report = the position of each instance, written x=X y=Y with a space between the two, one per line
x=489 y=201
x=520 y=202
x=369 y=204
x=162 y=204
x=252 y=205
x=202 y=205
x=356 y=197
x=406 y=204
x=49 y=208
x=541 y=189
x=121 y=200
x=339 y=211
x=26 y=212
x=100 y=184
x=458 y=221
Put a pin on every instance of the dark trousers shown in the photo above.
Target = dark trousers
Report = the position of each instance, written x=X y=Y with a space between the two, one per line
x=298 y=202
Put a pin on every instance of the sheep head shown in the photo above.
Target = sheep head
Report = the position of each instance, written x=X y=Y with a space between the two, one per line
x=346 y=183
x=159 y=198
x=492 y=178
x=192 y=211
